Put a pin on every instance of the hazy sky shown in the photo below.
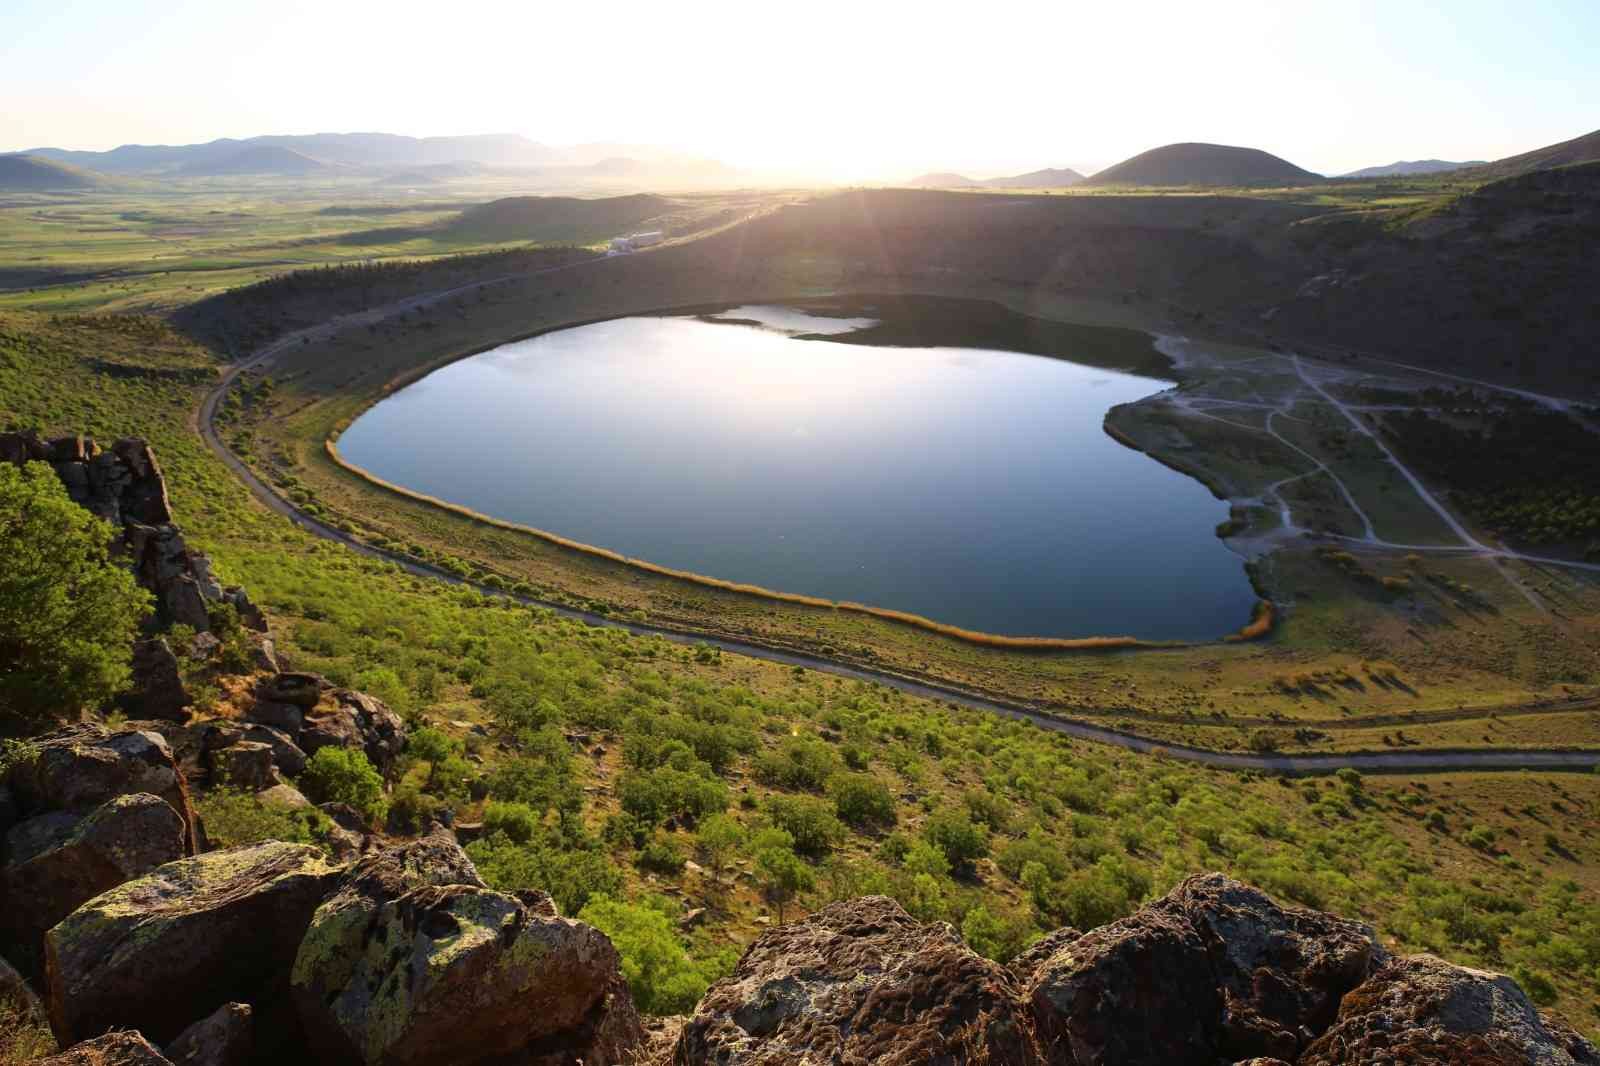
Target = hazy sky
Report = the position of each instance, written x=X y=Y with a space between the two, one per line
x=854 y=89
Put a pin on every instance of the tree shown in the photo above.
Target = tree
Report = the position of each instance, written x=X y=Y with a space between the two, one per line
x=718 y=838
x=784 y=875
x=68 y=617
x=862 y=800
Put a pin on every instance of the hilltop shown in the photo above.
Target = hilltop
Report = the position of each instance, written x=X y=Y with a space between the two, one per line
x=262 y=159
x=350 y=149
x=1410 y=168
x=31 y=172
x=943 y=180
x=1585 y=149
x=1048 y=178
x=1204 y=164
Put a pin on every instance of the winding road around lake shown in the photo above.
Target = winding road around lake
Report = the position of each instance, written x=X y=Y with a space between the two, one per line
x=1370 y=762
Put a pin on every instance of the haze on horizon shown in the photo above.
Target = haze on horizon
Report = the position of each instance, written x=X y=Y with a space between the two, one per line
x=838 y=91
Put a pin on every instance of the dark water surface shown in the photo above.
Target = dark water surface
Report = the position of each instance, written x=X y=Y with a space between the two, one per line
x=970 y=485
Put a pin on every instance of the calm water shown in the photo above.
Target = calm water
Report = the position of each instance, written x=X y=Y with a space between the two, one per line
x=972 y=486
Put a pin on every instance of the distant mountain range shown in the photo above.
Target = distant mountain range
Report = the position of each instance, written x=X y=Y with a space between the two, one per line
x=1411 y=168
x=397 y=160
x=1204 y=164
x=1049 y=178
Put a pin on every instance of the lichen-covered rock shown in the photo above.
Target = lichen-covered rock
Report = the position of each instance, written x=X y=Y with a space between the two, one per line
x=158 y=690
x=1423 y=1011
x=172 y=946
x=112 y=1049
x=1231 y=974
x=224 y=1038
x=357 y=721
x=246 y=765
x=859 y=982
x=414 y=961
x=57 y=861
x=284 y=797
x=78 y=768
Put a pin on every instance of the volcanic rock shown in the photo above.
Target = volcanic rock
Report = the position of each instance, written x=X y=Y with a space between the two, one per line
x=859 y=982
x=225 y=1038
x=178 y=943
x=57 y=861
x=1422 y=1011
x=1230 y=973
x=359 y=722
x=414 y=961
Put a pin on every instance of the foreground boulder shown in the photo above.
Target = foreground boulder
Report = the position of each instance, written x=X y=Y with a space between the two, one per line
x=78 y=768
x=225 y=1038
x=1423 y=1011
x=1214 y=970
x=414 y=961
x=57 y=861
x=113 y=1049
x=859 y=982
x=173 y=946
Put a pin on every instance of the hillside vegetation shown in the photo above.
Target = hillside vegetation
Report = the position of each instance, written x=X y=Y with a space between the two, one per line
x=602 y=763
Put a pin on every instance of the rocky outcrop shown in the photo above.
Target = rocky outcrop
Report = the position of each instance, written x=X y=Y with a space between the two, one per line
x=158 y=690
x=225 y=1038
x=414 y=961
x=360 y=722
x=81 y=767
x=124 y=485
x=160 y=951
x=860 y=982
x=1231 y=974
x=1423 y=1011
x=57 y=861
x=112 y=1049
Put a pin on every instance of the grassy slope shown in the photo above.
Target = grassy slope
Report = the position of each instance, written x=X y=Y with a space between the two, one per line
x=1114 y=826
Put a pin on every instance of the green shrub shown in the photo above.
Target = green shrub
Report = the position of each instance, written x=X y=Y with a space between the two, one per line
x=571 y=872
x=662 y=977
x=810 y=822
x=517 y=821
x=343 y=775
x=662 y=855
x=799 y=764
x=952 y=832
x=862 y=801
x=999 y=937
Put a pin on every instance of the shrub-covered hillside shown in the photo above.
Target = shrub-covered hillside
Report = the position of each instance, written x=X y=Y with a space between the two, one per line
x=682 y=800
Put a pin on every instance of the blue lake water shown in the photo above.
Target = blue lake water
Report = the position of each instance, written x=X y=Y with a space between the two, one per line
x=973 y=486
